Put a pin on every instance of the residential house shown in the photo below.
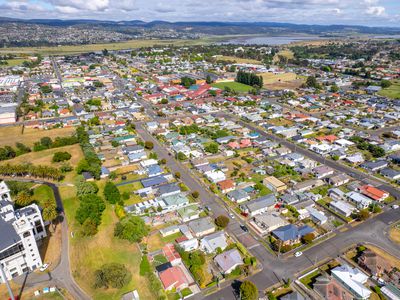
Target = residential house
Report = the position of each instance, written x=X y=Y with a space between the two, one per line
x=189 y=213
x=374 y=193
x=291 y=234
x=173 y=279
x=353 y=280
x=259 y=205
x=228 y=261
x=274 y=184
x=390 y=173
x=322 y=171
x=359 y=200
x=202 y=226
x=226 y=186
x=173 y=202
x=307 y=185
x=170 y=230
x=265 y=223
x=373 y=263
x=374 y=166
x=329 y=288
x=317 y=216
x=238 y=195
x=343 y=208
x=212 y=242
x=339 y=179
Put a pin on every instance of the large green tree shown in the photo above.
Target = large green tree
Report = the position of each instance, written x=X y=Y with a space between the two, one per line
x=131 y=228
x=248 y=291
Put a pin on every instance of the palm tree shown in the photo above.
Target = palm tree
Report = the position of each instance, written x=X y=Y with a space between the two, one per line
x=50 y=214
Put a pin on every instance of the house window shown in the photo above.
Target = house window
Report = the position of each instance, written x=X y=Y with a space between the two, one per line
x=26 y=234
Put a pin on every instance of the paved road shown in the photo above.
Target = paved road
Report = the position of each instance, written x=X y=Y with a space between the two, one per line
x=61 y=275
x=323 y=160
x=274 y=268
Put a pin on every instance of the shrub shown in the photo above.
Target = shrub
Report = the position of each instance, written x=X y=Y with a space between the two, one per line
x=61 y=156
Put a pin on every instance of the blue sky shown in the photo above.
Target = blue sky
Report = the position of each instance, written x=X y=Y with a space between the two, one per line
x=362 y=12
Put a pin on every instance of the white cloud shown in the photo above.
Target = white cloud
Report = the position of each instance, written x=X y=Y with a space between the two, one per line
x=375 y=10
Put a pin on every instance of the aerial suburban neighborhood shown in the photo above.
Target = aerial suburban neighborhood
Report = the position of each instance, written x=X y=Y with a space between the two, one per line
x=200 y=171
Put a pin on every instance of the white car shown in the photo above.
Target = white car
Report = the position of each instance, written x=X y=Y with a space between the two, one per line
x=395 y=206
x=232 y=215
x=44 y=267
x=298 y=253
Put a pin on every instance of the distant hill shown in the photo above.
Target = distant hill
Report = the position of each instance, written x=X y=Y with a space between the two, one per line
x=217 y=28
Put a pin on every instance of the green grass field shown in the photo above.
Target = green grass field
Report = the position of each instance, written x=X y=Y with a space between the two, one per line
x=236 y=86
x=132 y=44
x=90 y=253
x=393 y=91
x=13 y=62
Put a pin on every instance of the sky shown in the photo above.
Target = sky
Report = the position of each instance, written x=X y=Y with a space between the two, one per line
x=351 y=12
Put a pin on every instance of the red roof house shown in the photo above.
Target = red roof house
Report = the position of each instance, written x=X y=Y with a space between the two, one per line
x=374 y=193
x=173 y=278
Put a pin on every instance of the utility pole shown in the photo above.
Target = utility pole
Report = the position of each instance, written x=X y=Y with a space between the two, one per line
x=3 y=275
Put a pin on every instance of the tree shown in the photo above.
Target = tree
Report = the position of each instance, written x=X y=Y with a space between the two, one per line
x=23 y=199
x=90 y=207
x=84 y=188
x=308 y=238
x=49 y=214
x=334 y=88
x=177 y=175
x=111 y=193
x=385 y=83
x=164 y=101
x=248 y=291
x=131 y=228
x=46 y=142
x=149 y=145
x=208 y=79
x=312 y=82
x=222 y=221
x=112 y=275
x=61 y=156
x=363 y=214
x=195 y=194
x=181 y=156
x=89 y=228
x=211 y=148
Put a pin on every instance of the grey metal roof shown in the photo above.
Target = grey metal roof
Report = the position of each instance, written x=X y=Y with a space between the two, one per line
x=8 y=236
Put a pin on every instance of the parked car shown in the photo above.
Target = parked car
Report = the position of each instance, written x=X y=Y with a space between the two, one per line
x=44 y=267
x=244 y=228
x=298 y=253
x=232 y=215
x=395 y=206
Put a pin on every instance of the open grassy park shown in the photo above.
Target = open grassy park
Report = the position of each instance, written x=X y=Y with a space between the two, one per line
x=236 y=86
x=393 y=91
x=92 y=252
x=239 y=60
x=13 y=134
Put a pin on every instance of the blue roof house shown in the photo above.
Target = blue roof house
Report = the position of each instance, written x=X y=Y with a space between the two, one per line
x=291 y=234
